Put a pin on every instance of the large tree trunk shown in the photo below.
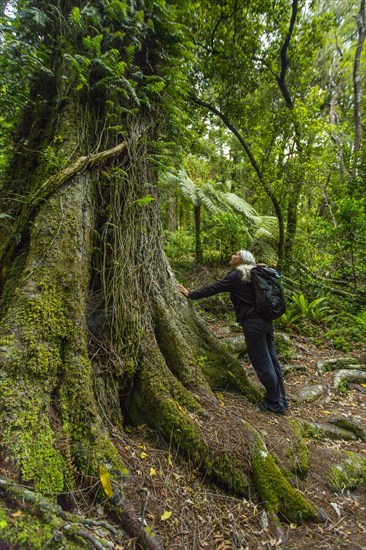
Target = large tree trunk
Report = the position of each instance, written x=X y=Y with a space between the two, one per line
x=93 y=329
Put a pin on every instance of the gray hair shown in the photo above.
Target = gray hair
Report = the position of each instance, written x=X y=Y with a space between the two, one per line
x=247 y=265
x=247 y=257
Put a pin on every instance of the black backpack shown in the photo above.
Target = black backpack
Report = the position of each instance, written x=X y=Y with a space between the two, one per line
x=270 y=300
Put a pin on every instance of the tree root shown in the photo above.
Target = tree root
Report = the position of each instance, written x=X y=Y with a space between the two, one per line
x=350 y=425
x=75 y=526
x=318 y=430
x=342 y=377
x=275 y=491
x=338 y=364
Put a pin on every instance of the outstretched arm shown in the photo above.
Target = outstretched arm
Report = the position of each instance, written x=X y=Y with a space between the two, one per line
x=224 y=285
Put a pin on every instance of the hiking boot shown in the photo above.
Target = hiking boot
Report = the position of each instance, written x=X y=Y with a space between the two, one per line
x=264 y=408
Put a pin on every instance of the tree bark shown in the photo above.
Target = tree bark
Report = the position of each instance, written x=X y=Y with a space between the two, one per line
x=357 y=81
x=197 y=227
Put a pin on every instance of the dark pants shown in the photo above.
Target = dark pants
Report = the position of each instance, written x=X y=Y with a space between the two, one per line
x=262 y=354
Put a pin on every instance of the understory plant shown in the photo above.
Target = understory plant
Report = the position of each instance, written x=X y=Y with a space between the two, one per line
x=347 y=329
x=300 y=310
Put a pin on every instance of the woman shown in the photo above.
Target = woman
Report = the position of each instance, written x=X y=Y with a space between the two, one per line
x=258 y=333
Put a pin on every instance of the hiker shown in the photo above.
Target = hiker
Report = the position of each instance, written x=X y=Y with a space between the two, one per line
x=258 y=332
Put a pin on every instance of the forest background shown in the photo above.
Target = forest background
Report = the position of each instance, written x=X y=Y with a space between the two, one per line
x=142 y=140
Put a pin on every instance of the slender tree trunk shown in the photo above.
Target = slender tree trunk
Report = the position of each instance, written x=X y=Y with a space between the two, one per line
x=172 y=213
x=275 y=203
x=197 y=226
x=333 y=118
x=357 y=80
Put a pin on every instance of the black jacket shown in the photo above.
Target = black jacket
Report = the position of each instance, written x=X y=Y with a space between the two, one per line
x=241 y=294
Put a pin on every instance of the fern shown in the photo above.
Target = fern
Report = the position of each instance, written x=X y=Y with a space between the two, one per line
x=241 y=206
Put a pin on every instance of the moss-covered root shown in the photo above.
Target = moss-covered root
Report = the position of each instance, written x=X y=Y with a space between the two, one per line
x=177 y=350
x=349 y=474
x=274 y=490
x=193 y=354
x=163 y=403
x=297 y=451
x=39 y=523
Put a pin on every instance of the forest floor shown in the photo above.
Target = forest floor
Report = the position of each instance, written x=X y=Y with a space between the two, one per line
x=187 y=512
x=201 y=516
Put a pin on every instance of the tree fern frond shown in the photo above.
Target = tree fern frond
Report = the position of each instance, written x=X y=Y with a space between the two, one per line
x=217 y=197
x=262 y=234
x=206 y=201
x=270 y=224
x=241 y=206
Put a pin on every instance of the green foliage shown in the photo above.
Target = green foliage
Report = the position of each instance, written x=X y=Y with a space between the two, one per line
x=179 y=245
x=300 y=310
x=54 y=162
x=228 y=233
x=229 y=221
x=347 y=329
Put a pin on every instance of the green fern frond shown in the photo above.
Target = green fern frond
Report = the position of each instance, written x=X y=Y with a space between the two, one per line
x=241 y=206
x=262 y=234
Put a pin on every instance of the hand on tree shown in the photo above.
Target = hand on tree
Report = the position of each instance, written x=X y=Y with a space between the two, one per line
x=183 y=290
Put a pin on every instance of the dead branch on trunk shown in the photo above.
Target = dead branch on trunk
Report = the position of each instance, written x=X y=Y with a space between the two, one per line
x=53 y=183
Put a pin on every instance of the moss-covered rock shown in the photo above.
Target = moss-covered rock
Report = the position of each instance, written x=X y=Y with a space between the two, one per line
x=349 y=474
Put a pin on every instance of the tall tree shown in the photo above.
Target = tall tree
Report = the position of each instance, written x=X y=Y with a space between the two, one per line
x=84 y=257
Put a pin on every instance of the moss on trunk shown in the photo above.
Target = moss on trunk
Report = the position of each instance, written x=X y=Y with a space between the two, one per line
x=49 y=417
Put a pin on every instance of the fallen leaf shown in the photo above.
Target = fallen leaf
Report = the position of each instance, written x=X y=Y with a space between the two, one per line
x=106 y=480
x=143 y=455
x=153 y=472
x=179 y=406
x=17 y=514
x=170 y=462
x=166 y=515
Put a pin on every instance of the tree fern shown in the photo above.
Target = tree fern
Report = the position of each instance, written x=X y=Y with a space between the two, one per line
x=241 y=206
x=261 y=231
